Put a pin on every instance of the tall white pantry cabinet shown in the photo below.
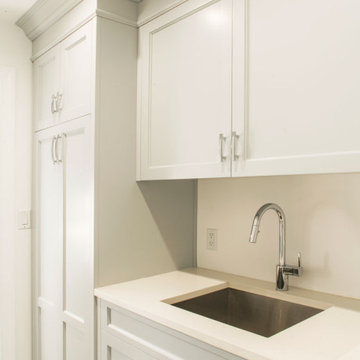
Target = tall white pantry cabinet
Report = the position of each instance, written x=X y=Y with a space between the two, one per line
x=93 y=224
x=63 y=256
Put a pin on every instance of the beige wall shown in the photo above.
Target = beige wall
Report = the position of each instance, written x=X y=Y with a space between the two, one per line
x=15 y=195
x=142 y=228
x=323 y=222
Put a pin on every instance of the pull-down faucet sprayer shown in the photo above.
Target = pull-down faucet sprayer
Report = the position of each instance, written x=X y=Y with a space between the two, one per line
x=282 y=270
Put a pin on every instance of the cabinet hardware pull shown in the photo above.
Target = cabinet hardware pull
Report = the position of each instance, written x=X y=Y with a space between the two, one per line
x=236 y=146
x=59 y=103
x=223 y=154
x=62 y=136
x=54 y=140
x=53 y=104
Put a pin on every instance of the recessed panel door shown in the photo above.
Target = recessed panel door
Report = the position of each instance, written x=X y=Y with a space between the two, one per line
x=48 y=249
x=185 y=96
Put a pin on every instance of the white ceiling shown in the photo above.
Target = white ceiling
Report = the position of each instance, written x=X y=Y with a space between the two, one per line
x=11 y=10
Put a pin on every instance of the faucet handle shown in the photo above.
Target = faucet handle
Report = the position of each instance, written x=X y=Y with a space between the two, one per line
x=299 y=259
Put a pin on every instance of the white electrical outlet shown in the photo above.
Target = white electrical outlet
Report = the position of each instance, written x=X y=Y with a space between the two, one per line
x=211 y=239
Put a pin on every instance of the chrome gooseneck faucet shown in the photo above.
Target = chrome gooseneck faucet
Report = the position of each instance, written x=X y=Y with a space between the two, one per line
x=282 y=270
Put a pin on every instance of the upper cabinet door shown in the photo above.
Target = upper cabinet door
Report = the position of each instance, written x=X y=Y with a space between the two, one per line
x=64 y=79
x=185 y=87
x=303 y=87
x=46 y=86
x=77 y=80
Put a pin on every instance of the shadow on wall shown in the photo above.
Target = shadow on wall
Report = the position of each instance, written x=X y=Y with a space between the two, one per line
x=149 y=230
x=172 y=207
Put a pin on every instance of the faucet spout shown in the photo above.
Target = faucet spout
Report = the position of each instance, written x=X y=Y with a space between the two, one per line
x=282 y=270
x=282 y=228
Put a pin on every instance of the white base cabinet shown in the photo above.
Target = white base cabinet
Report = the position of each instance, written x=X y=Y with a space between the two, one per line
x=126 y=335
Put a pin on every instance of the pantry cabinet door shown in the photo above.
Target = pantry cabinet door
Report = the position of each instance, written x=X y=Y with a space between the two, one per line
x=185 y=86
x=46 y=86
x=78 y=240
x=48 y=249
x=64 y=242
x=77 y=79
x=303 y=87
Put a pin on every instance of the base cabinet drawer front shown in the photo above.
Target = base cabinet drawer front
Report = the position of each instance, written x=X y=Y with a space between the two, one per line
x=116 y=348
x=122 y=330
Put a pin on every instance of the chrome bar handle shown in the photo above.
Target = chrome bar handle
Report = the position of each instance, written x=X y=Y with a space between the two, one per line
x=62 y=136
x=236 y=146
x=53 y=104
x=59 y=103
x=223 y=154
x=54 y=139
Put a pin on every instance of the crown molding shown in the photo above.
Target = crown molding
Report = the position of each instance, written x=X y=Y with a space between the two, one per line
x=115 y=17
x=43 y=14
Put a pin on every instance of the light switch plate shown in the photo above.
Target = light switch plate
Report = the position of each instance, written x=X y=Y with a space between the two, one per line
x=24 y=219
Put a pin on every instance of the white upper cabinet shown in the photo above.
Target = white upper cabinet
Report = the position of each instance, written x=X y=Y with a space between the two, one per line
x=185 y=86
x=46 y=87
x=77 y=62
x=63 y=80
x=303 y=92
x=278 y=78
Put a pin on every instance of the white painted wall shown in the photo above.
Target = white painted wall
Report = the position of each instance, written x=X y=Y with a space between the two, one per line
x=323 y=222
x=15 y=195
x=142 y=228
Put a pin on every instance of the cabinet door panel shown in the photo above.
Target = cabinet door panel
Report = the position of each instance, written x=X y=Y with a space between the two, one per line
x=77 y=345
x=50 y=335
x=46 y=84
x=64 y=242
x=303 y=87
x=78 y=238
x=77 y=61
x=48 y=249
x=185 y=105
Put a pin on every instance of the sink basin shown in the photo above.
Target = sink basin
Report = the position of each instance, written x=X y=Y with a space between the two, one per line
x=261 y=315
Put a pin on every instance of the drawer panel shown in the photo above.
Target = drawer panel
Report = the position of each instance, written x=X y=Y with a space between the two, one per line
x=115 y=348
x=155 y=339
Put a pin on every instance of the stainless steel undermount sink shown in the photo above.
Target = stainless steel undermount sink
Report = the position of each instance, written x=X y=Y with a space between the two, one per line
x=259 y=314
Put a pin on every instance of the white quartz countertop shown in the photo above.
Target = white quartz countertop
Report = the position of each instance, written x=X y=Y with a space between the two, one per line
x=332 y=334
